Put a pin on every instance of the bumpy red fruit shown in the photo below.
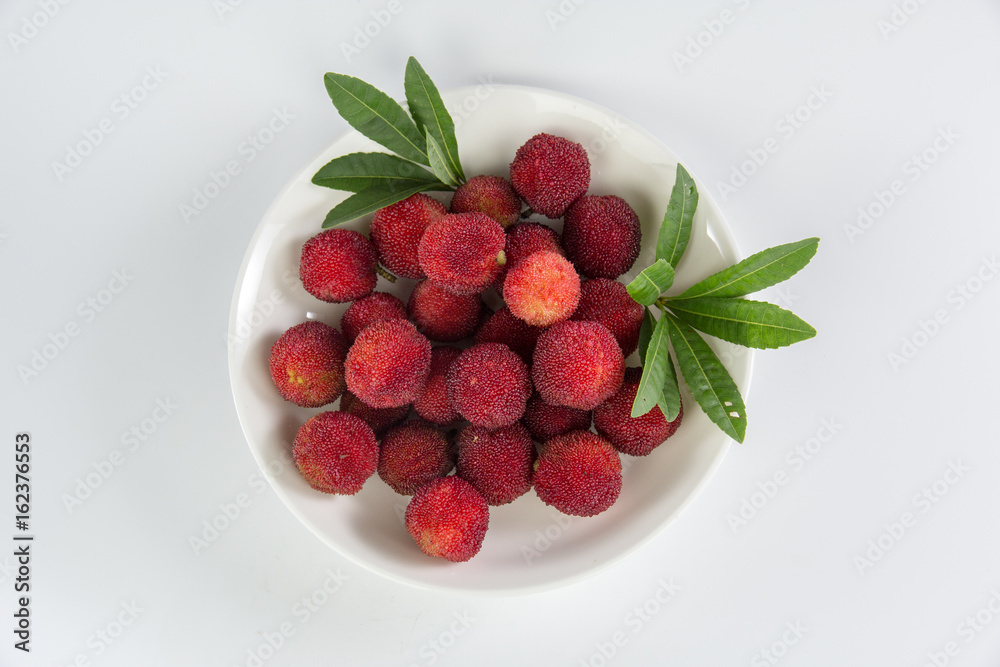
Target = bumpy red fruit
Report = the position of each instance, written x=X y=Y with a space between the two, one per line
x=442 y=315
x=545 y=421
x=602 y=236
x=388 y=363
x=448 y=518
x=498 y=463
x=491 y=195
x=577 y=364
x=338 y=266
x=372 y=308
x=307 y=364
x=396 y=231
x=578 y=473
x=378 y=419
x=639 y=436
x=542 y=289
x=433 y=404
x=335 y=452
x=413 y=454
x=462 y=252
x=503 y=327
x=608 y=302
x=550 y=173
x=525 y=239
x=489 y=386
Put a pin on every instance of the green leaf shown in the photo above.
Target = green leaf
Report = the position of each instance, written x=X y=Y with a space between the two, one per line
x=749 y=323
x=756 y=272
x=709 y=381
x=654 y=370
x=652 y=282
x=670 y=401
x=359 y=171
x=439 y=162
x=670 y=405
x=377 y=116
x=675 y=232
x=369 y=201
x=430 y=114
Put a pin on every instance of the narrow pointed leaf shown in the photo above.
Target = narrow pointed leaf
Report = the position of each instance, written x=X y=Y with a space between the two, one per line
x=709 y=381
x=356 y=172
x=377 y=116
x=670 y=405
x=675 y=232
x=439 y=162
x=756 y=324
x=670 y=400
x=652 y=282
x=756 y=272
x=369 y=201
x=654 y=370
x=430 y=114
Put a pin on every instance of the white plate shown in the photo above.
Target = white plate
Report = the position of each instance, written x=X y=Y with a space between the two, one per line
x=529 y=547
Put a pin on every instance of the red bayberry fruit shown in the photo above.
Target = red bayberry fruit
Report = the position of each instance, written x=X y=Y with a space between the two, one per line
x=638 y=436
x=372 y=308
x=433 y=404
x=498 y=463
x=577 y=364
x=608 y=302
x=503 y=327
x=462 y=252
x=335 y=452
x=550 y=173
x=307 y=364
x=488 y=384
x=602 y=236
x=396 y=231
x=413 y=454
x=545 y=421
x=542 y=289
x=578 y=473
x=442 y=315
x=491 y=195
x=338 y=266
x=448 y=518
x=525 y=239
x=388 y=364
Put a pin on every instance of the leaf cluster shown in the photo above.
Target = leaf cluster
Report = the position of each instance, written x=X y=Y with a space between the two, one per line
x=714 y=306
x=424 y=148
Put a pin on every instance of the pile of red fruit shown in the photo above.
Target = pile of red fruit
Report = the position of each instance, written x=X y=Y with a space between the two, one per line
x=541 y=369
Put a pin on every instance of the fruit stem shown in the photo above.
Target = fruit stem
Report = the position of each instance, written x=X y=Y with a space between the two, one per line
x=379 y=269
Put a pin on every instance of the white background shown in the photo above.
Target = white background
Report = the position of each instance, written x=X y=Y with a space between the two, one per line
x=899 y=423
